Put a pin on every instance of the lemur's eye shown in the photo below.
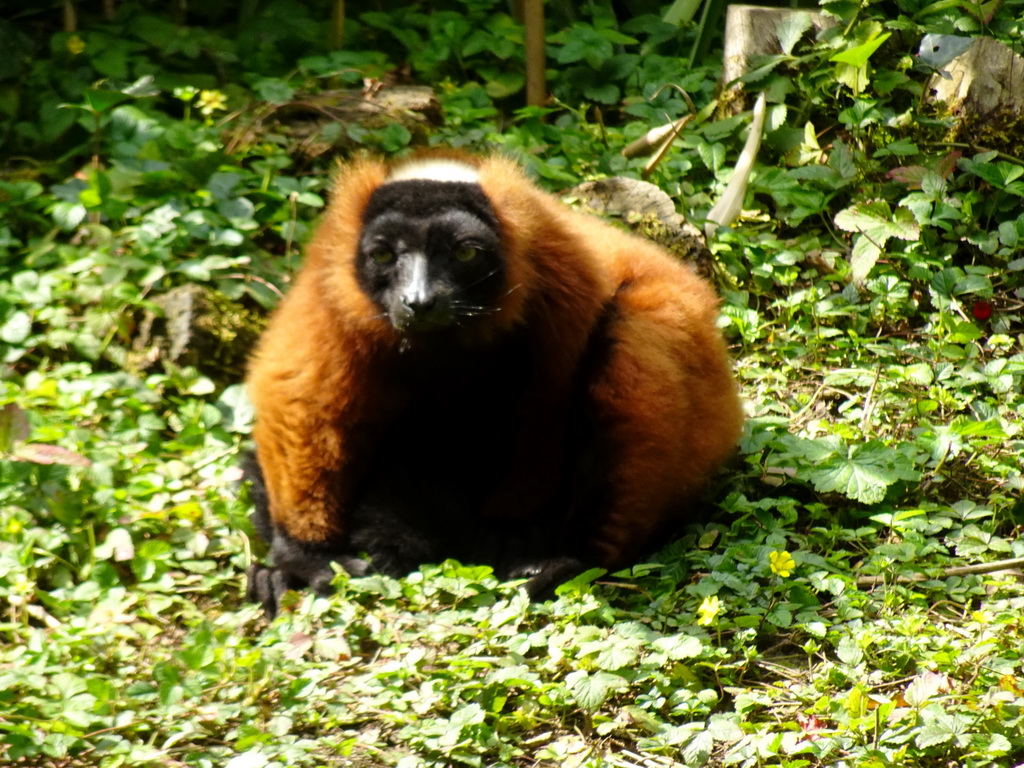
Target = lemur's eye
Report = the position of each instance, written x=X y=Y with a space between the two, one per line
x=382 y=254
x=466 y=252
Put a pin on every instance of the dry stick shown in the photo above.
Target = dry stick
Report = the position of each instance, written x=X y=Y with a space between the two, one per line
x=869 y=401
x=729 y=206
x=255 y=278
x=533 y=31
x=959 y=570
x=337 y=29
x=654 y=138
x=70 y=17
x=675 y=129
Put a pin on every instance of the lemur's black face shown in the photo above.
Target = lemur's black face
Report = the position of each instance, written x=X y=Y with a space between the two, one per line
x=430 y=254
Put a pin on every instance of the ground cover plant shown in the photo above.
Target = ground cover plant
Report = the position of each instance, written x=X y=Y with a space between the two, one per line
x=851 y=599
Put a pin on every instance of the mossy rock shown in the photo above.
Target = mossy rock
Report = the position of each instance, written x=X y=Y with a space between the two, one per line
x=646 y=210
x=983 y=89
x=194 y=326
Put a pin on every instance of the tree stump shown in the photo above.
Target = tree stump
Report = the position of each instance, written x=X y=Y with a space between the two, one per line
x=319 y=123
x=197 y=327
x=984 y=89
x=752 y=31
x=646 y=210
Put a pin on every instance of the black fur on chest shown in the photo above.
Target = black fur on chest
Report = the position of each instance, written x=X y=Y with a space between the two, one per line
x=444 y=447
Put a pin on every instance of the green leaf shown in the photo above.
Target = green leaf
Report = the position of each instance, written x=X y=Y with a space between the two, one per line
x=679 y=647
x=681 y=12
x=699 y=748
x=999 y=174
x=941 y=729
x=900 y=148
x=878 y=223
x=991 y=428
x=616 y=37
x=502 y=84
x=780 y=616
x=858 y=55
x=765 y=66
x=973 y=284
x=856 y=79
x=583 y=42
x=68 y=685
x=634 y=631
x=154 y=30
x=575 y=583
x=470 y=714
x=17 y=328
x=68 y=215
x=925 y=687
x=143 y=87
x=590 y=691
x=239 y=211
x=713 y=155
x=790 y=29
x=620 y=66
x=841 y=159
x=863 y=112
x=849 y=651
x=394 y=137
x=865 y=473
x=222 y=184
x=254 y=758
x=19 y=191
x=919 y=373
x=274 y=90
x=90 y=198
x=617 y=655
x=117 y=546
x=101 y=100
x=225 y=236
x=994 y=744
x=863 y=258
x=608 y=93
x=944 y=283
x=238 y=411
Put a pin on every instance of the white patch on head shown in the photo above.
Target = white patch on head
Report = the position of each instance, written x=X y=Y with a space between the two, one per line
x=435 y=170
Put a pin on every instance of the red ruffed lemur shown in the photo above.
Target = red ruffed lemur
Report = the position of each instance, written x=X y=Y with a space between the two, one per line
x=467 y=368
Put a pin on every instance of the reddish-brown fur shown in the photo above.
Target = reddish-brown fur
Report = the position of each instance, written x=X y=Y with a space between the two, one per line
x=667 y=396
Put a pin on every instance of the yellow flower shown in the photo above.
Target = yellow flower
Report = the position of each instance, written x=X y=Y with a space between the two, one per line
x=75 y=45
x=211 y=101
x=782 y=563
x=708 y=610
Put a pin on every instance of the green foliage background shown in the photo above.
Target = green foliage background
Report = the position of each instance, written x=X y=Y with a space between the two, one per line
x=872 y=293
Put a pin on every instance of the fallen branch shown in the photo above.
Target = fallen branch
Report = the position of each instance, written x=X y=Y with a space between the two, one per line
x=959 y=570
